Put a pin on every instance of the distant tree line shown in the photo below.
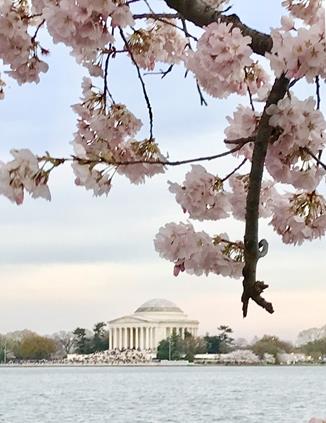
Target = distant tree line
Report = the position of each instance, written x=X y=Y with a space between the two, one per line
x=28 y=345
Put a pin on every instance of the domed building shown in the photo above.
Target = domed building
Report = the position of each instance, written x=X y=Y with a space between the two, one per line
x=153 y=321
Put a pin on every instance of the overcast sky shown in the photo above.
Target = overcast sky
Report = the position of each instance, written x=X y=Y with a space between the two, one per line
x=79 y=260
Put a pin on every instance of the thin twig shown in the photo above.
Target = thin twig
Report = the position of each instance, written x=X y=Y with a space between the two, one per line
x=241 y=140
x=149 y=107
x=105 y=89
x=101 y=160
x=37 y=30
x=249 y=92
x=234 y=170
x=161 y=72
x=203 y=102
x=317 y=91
x=323 y=165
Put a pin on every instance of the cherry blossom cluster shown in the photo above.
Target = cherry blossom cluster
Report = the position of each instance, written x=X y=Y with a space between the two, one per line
x=83 y=26
x=299 y=52
x=302 y=127
x=159 y=42
x=18 y=48
x=300 y=217
x=104 y=139
x=23 y=174
x=202 y=195
x=316 y=420
x=220 y=61
x=242 y=125
x=198 y=253
x=307 y=10
x=239 y=185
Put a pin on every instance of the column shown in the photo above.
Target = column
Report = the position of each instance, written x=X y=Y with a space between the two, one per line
x=110 y=338
x=131 y=338
x=154 y=338
x=124 y=341
x=147 y=338
x=141 y=338
x=144 y=338
x=120 y=338
x=151 y=338
x=136 y=336
x=115 y=338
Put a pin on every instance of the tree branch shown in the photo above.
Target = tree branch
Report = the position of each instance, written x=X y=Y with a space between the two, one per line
x=199 y=13
x=148 y=103
x=252 y=288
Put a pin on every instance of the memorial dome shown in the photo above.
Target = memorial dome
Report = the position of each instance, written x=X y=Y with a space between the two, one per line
x=158 y=305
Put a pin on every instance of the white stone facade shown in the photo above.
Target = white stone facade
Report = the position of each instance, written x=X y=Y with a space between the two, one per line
x=153 y=321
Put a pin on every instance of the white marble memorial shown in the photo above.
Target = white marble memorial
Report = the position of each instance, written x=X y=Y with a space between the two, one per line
x=155 y=320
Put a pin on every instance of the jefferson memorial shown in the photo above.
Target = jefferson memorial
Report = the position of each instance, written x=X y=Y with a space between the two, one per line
x=153 y=321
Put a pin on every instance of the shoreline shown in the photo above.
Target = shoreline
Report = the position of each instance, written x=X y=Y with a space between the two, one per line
x=148 y=365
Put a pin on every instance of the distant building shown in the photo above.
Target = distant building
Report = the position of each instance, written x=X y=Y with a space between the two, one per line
x=153 y=321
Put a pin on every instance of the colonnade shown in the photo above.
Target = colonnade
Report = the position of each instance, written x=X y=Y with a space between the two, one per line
x=142 y=338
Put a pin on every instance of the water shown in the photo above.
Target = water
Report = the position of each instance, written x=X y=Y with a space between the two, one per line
x=162 y=395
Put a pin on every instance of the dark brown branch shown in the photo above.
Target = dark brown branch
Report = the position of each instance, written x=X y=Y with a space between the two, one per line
x=203 y=102
x=198 y=12
x=99 y=160
x=251 y=252
x=156 y=16
x=162 y=73
x=241 y=140
x=106 y=89
x=317 y=91
x=149 y=107
x=37 y=30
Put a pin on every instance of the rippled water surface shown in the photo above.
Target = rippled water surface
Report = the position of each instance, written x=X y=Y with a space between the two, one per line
x=169 y=395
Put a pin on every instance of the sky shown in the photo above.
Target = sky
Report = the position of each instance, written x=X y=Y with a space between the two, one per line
x=79 y=260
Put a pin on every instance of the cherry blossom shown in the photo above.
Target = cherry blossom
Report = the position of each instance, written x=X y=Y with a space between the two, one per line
x=301 y=54
x=239 y=185
x=306 y=10
x=18 y=48
x=92 y=179
x=23 y=173
x=299 y=217
x=220 y=60
x=104 y=139
x=316 y=420
x=197 y=253
x=301 y=127
x=158 y=42
x=243 y=124
x=202 y=195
